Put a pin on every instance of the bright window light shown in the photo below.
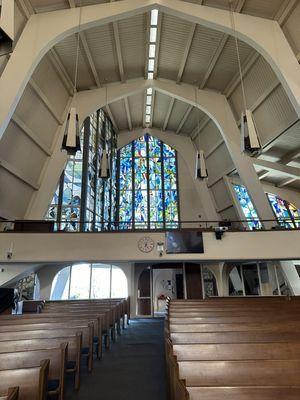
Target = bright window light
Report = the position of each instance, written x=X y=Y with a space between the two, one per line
x=149 y=91
x=150 y=75
x=147 y=119
x=151 y=65
x=153 y=35
x=152 y=50
x=154 y=17
x=149 y=100
x=148 y=109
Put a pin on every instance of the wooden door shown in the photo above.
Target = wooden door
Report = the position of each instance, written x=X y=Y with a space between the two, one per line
x=144 y=293
x=193 y=281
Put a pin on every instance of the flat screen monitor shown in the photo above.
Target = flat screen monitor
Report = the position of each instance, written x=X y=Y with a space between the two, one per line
x=180 y=242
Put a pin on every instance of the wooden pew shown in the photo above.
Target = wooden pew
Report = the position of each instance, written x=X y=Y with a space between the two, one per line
x=42 y=323
x=267 y=373
x=32 y=382
x=87 y=338
x=236 y=327
x=9 y=394
x=32 y=358
x=73 y=356
x=241 y=393
x=233 y=349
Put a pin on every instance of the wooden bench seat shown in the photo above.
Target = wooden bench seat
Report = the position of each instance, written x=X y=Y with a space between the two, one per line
x=73 y=354
x=241 y=373
x=235 y=337
x=9 y=394
x=243 y=393
x=266 y=319
x=55 y=323
x=236 y=351
x=32 y=382
x=87 y=338
x=32 y=358
x=232 y=327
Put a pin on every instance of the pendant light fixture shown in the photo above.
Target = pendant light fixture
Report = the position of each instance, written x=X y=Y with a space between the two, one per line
x=71 y=139
x=201 y=170
x=249 y=135
x=7 y=26
x=105 y=164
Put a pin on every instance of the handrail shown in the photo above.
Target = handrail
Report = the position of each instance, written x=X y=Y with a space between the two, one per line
x=75 y=226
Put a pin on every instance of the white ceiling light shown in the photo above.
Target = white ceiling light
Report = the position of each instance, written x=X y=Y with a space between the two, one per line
x=154 y=17
x=153 y=34
x=152 y=48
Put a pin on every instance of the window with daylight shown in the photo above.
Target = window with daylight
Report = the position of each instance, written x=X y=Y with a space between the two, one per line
x=148 y=193
x=141 y=192
x=286 y=213
x=247 y=207
x=89 y=281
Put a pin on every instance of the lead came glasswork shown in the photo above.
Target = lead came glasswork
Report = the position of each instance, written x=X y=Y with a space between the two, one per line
x=247 y=207
x=141 y=193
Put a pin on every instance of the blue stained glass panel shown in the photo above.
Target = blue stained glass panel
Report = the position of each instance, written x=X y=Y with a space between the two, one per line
x=154 y=147
x=295 y=213
x=247 y=207
x=140 y=147
x=140 y=171
x=281 y=212
x=170 y=176
x=141 y=206
x=168 y=151
x=126 y=151
x=155 y=178
x=126 y=174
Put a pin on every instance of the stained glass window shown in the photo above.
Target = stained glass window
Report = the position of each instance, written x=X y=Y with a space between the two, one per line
x=247 y=207
x=148 y=193
x=141 y=192
x=286 y=213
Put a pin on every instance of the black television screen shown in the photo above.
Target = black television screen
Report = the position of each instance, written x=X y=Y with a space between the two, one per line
x=184 y=242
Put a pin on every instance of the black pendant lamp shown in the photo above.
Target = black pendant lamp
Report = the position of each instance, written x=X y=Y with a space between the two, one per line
x=71 y=139
x=250 y=142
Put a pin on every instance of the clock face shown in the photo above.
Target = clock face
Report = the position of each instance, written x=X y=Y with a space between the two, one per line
x=146 y=244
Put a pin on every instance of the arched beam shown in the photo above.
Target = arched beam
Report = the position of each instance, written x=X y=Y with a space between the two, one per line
x=44 y=30
x=213 y=104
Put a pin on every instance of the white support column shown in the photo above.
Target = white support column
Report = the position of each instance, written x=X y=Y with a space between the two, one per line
x=44 y=30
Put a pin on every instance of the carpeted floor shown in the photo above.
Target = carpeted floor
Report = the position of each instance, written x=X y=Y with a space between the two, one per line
x=134 y=368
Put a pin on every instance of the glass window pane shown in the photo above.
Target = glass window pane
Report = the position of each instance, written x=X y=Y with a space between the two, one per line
x=235 y=282
x=80 y=281
x=153 y=34
x=119 y=287
x=251 y=280
x=60 y=285
x=247 y=207
x=100 y=288
x=154 y=17
x=268 y=280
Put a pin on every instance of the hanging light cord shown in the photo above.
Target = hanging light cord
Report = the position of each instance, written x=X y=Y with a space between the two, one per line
x=77 y=49
x=237 y=52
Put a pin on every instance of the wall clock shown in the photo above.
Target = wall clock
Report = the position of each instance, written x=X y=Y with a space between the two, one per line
x=146 y=244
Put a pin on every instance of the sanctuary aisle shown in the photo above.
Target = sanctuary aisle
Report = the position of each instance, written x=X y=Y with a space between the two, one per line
x=133 y=369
